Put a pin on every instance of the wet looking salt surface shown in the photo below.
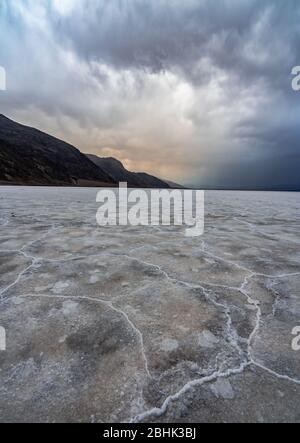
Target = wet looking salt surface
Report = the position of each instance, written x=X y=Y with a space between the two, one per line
x=142 y=323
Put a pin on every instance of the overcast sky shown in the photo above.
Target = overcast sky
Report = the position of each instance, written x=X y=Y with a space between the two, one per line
x=197 y=91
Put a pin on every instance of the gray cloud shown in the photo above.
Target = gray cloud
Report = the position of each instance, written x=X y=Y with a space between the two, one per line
x=249 y=38
x=197 y=91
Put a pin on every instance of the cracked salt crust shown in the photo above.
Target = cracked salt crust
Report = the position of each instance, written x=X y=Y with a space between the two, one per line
x=207 y=339
x=222 y=388
x=70 y=307
x=60 y=287
x=126 y=296
x=169 y=345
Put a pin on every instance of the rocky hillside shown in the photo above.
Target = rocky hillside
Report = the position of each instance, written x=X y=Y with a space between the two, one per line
x=28 y=156
x=118 y=172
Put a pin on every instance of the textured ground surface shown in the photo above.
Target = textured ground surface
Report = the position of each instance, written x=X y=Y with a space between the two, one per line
x=144 y=324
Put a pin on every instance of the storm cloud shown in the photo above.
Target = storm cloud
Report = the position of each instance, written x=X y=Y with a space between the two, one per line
x=196 y=91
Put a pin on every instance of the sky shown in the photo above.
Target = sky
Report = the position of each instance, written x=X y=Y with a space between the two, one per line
x=195 y=91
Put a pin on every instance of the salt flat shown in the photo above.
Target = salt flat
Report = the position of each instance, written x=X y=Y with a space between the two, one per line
x=143 y=323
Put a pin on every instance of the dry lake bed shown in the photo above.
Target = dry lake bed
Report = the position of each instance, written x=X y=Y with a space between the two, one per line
x=141 y=324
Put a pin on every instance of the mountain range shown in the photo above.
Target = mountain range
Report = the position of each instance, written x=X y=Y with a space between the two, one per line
x=31 y=157
x=116 y=169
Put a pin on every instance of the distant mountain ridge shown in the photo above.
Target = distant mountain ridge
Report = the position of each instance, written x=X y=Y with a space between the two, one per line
x=119 y=173
x=31 y=157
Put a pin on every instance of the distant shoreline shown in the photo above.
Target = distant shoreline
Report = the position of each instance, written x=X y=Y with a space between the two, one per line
x=88 y=184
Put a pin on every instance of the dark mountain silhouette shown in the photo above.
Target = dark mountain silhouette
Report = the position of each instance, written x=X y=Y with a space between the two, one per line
x=174 y=185
x=29 y=156
x=118 y=172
